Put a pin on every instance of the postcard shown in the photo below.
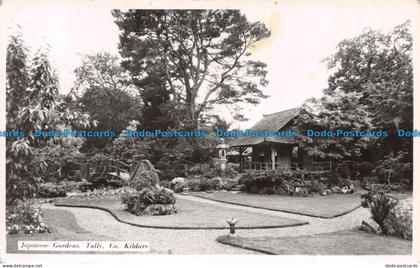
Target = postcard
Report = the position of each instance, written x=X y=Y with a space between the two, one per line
x=219 y=132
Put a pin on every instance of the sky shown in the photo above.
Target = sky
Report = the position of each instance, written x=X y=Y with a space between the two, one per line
x=303 y=34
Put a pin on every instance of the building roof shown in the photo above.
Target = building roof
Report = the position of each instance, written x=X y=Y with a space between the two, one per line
x=269 y=122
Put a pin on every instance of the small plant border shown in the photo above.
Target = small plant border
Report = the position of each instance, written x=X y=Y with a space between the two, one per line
x=281 y=210
x=59 y=204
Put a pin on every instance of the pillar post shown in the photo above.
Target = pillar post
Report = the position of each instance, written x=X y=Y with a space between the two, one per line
x=273 y=158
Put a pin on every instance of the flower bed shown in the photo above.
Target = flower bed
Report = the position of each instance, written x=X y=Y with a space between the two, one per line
x=150 y=201
x=198 y=183
x=278 y=182
x=25 y=218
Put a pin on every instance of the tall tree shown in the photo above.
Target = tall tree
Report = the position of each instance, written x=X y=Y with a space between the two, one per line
x=32 y=91
x=158 y=112
x=370 y=88
x=104 y=90
x=379 y=66
x=335 y=111
x=101 y=70
x=203 y=55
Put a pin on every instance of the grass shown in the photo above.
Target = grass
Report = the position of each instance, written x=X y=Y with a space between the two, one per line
x=316 y=206
x=348 y=242
x=63 y=227
x=191 y=215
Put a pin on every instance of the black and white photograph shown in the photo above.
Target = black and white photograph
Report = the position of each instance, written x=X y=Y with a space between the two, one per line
x=251 y=128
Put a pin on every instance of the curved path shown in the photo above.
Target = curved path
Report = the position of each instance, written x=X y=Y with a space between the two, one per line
x=204 y=241
x=315 y=226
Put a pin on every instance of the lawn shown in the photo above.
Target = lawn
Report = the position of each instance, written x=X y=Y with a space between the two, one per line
x=316 y=206
x=348 y=242
x=63 y=227
x=191 y=215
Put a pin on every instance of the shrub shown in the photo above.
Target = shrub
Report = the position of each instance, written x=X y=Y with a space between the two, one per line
x=168 y=174
x=25 y=218
x=138 y=202
x=178 y=187
x=194 y=185
x=279 y=182
x=344 y=183
x=379 y=204
x=201 y=183
x=205 y=185
x=395 y=168
x=214 y=183
x=317 y=187
x=209 y=171
x=264 y=182
x=165 y=184
x=72 y=186
x=172 y=165
x=228 y=184
x=198 y=169
x=231 y=171
x=51 y=190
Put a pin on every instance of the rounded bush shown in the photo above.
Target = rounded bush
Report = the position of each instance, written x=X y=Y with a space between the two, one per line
x=138 y=203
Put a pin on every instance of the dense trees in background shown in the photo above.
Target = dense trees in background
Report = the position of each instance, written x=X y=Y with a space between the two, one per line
x=103 y=89
x=370 y=88
x=379 y=67
x=195 y=59
x=175 y=67
x=158 y=112
x=337 y=111
x=32 y=103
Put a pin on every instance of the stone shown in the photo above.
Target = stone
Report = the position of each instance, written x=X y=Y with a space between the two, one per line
x=336 y=189
x=236 y=188
x=347 y=189
x=399 y=221
x=144 y=179
x=145 y=167
x=178 y=180
x=371 y=226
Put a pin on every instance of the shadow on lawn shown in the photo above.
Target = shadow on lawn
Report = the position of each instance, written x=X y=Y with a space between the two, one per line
x=347 y=242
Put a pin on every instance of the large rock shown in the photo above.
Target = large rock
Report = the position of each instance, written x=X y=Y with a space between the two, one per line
x=144 y=176
x=371 y=226
x=399 y=221
x=178 y=180
x=144 y=166
x=336 y=189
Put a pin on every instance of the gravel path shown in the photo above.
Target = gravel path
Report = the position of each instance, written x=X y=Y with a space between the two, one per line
x=203 y=241
x=161 y=240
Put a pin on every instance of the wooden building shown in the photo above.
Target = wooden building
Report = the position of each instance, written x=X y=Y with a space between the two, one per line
x=276 y=152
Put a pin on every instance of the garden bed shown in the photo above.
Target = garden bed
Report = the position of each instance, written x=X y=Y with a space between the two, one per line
x=348 y=242
x=191 y=215
x=315 y=206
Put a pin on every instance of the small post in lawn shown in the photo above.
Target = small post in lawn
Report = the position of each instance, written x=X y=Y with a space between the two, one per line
x=232 y=222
